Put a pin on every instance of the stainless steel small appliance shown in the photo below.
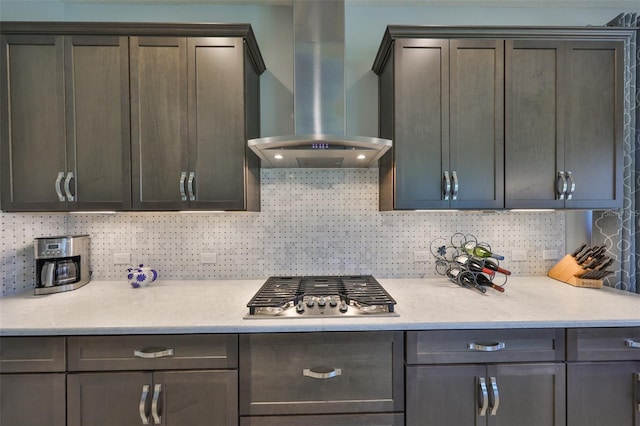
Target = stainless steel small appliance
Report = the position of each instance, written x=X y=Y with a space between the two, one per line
x=62 y=263
x=321 y=297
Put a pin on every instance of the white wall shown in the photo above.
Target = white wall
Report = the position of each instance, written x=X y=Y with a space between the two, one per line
x=308 y=238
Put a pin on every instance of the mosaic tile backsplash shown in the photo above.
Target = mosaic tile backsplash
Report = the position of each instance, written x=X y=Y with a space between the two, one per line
x=312 y=221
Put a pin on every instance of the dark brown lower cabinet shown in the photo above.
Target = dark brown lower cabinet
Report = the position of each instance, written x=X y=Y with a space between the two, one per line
x=502 y=394
x=603 y=376
x=32 y=399
x=603 y=393
x=327 y=378
x=160 y=398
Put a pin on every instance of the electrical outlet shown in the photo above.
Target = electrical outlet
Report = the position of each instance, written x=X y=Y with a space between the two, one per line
x=121 y=258
x=518 y=255
x=420 y=256
x=209 y=258
x=549 y=254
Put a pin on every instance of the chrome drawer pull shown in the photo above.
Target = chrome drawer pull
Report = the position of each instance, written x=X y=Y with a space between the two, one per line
x=150 y=353
x=141 y=407
x=485 y=396
x=496 y=396
x=308 y=372
x=486 y=348
x=157 y=419
x=632 y=344
x=58 y=187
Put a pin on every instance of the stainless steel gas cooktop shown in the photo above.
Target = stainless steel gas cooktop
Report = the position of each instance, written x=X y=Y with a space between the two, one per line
x=321 y=296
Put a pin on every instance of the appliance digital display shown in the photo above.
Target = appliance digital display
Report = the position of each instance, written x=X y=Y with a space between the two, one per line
x=53 y=246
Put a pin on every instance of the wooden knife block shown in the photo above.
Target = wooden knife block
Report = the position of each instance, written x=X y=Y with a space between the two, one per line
x=568 y=271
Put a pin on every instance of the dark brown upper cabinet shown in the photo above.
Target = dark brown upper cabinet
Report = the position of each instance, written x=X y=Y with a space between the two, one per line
x=441 y=102
x=194 y=105
x=501 y=117
x=104 y=116
x=65 y=123
x=564 y=124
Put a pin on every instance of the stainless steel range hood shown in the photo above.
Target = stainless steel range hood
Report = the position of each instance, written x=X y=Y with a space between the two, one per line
x=319 y=98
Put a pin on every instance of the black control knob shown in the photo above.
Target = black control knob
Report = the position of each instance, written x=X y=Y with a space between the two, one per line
x=322 y=302
x=299 y=308
x=310 y=302
x=343 y=307
x=333 y=302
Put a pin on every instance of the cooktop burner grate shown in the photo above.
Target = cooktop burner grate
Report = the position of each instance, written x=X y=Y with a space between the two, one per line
x=283 y=292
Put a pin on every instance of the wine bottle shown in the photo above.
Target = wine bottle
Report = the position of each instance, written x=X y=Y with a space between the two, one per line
x=464 y=278
x=482 y=280
x=479 y=251
x=492 y=265
x=473 y=264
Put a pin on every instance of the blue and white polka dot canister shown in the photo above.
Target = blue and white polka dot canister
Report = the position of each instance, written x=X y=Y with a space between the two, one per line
x=141 y=276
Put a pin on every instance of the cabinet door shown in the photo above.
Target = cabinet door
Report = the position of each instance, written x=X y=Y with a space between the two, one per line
x=421 y=142
x=197 y=398
x=534 y=150
x=593 y=124
x=33 y=124
x=109 y=399
x=159 y=122
x=527 y=394
x=217 y=137
x=446 y=395
x=32 y=399
x=603 y=393
x=97 y=75
x=477 y=123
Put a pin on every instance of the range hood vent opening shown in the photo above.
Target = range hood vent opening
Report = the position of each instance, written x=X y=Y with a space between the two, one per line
x=320 y=139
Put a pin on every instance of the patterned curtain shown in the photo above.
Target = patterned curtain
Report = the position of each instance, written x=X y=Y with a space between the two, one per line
x=620 y=230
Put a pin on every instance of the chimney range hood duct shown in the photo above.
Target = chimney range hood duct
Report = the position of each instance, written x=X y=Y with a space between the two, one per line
x=319 y=98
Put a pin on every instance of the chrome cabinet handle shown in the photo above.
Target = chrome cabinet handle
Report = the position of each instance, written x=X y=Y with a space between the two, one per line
x=67 y=186
x=484 y=395
x=562 y=190
x=141 y=407
x=446 y=185
x=632 y=344
x=157 y=419
x=308 y=372
x=496 y=396
x=486 y=348
x=151 y=353
x=183 y=177
x=454 y=176
x=58 y=190
x=571 y=185
x=638 y=390
x=192 y=195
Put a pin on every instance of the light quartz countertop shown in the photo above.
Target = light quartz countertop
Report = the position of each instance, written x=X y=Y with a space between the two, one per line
x=219 y=306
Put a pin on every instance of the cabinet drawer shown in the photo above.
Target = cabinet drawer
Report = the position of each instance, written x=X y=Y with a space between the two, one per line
x=500 y=345
x=156 y=352
x=326 y=420
x=316 y=373
x=603 y=344
x=32 y=354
